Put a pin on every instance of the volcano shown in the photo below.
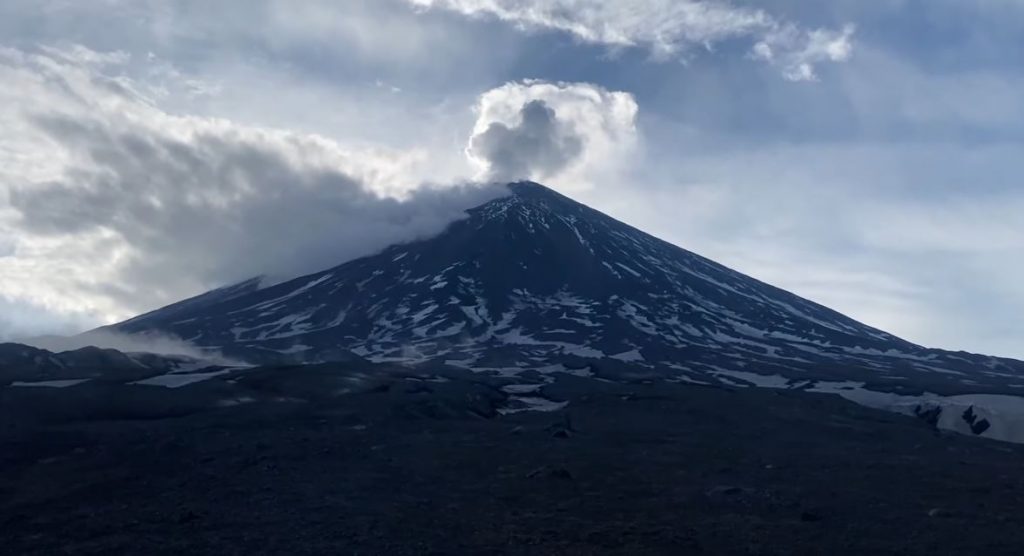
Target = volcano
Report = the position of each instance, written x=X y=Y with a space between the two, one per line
x=536 y=280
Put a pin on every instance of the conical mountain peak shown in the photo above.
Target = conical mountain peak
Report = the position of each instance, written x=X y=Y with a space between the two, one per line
x=537 y=280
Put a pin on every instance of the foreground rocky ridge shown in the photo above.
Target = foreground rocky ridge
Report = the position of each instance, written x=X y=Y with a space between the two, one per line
x=377 y=459
x=106 y=382
x=27 y=365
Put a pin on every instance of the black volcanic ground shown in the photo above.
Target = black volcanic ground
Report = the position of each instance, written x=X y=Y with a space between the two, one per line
x=335 y=460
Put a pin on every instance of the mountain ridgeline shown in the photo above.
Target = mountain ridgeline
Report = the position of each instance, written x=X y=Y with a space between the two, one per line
x=537 y=280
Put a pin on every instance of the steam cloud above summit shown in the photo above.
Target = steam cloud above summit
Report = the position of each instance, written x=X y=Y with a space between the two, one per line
x=539 y=146
x=564 y=134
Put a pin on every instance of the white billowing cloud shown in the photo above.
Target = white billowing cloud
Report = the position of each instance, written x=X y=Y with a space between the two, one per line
x=797 y=52
x=113 y=205
x=564 y=134
x=670 y=27
x=539 y=146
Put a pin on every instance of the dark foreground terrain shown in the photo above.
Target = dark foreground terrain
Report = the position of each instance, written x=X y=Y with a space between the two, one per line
x=320 y=460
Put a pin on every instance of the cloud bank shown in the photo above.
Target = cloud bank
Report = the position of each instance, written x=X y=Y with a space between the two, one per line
x=116 y=206
x=670 y=28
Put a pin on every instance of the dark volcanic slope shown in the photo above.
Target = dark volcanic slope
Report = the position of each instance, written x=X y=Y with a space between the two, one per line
x=534 y=280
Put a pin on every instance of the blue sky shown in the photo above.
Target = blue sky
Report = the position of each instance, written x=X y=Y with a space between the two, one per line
x=863 y=154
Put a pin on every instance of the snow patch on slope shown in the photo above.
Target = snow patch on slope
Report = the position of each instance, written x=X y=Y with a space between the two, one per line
x=998 y=417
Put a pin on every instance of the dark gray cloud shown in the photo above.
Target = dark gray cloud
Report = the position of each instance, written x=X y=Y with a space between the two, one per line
x=19 y=318
x=539 y=146
x=211 y=204
x=7 y=248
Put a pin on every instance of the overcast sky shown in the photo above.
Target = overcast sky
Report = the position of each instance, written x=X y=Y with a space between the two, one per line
x=863 y=154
